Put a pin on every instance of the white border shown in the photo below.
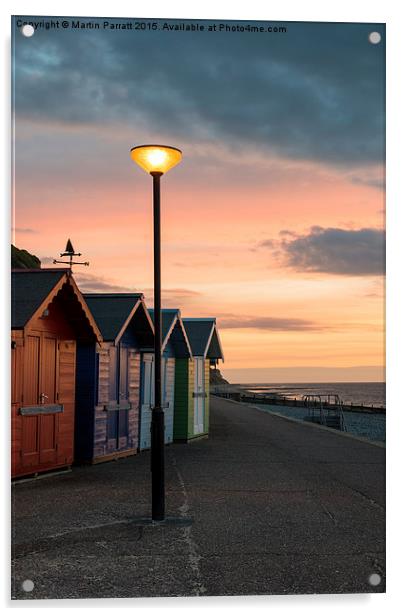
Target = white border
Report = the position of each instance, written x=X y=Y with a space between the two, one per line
x=285 y=10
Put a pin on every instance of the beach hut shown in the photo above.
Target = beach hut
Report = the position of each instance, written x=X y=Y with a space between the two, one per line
x=192 y=380
x=175 y=346
x=108 y=389
x=49 y=319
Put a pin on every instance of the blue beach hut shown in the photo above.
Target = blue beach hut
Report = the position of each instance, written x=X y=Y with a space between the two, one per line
x=175 y=346
x=108 y=377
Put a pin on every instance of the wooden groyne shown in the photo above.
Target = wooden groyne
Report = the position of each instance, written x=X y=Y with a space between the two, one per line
x=250 y=398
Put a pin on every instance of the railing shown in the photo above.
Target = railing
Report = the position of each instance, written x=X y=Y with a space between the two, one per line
x=326 y=409
x=243 y=395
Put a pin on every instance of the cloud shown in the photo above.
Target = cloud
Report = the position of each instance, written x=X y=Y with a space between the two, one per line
x=285 y=232
x=89 y=283
x=268 y=323
x=376 y=289
x=268 y=243
x=358 y=252
x=316 y=92
x=171 y=298
x=23 y=230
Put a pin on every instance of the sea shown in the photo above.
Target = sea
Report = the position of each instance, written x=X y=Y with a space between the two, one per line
x=371 y=426
x=367 y=425
x=367 y=394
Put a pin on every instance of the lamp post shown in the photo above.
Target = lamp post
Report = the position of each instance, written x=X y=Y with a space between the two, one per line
x=157 y=160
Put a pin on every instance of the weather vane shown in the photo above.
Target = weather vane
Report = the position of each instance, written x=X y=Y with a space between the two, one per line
x=70 y=253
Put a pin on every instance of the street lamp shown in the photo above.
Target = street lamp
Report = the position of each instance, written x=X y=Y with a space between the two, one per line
x=157 y=160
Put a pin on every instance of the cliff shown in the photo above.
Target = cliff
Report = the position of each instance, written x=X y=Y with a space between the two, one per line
x=22 y=259
x=215 y=377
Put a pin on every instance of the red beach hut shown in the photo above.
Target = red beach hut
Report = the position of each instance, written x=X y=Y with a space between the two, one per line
x=49 y=317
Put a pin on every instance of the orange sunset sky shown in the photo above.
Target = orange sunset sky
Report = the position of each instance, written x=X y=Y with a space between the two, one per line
x=274 y=220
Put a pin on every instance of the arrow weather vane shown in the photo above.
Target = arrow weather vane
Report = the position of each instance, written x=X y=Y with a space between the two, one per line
x=70 y=253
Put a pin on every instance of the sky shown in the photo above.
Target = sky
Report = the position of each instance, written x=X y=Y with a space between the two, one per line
x=273 y=222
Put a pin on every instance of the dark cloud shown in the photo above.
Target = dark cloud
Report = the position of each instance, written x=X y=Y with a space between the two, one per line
x=268 y=323
x=358 y=252
x=373 y=182
x=316 y=92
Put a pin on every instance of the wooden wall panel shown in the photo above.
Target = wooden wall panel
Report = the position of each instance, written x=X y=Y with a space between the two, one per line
x=30 y=442
x=17 y=365
x=169 y=397
x=100 y=442
x=16 y=442
x=206 y=416
x=17 y=371
x=48 y=380
x=134 y=368
x=48 y=439
x=31 y=369
x=191 y=365
x=66 y=385
x=181 y=404
x=104 y=378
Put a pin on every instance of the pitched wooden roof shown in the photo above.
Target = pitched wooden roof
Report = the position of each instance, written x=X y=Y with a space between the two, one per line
x=29 y=289
x=173 y=331
x=32 y=291
x=204 y=338
x=114 y=311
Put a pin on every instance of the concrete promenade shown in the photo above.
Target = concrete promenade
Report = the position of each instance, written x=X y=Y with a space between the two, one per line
x=276 y=507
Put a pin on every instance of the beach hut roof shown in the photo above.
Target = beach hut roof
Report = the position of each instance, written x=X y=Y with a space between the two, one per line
x=173 y=331
x=113 y=312
x=29 y=290
x=33 y=290
x=204 y=337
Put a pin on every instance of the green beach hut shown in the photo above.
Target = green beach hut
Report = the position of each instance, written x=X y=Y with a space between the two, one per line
x=191 y=417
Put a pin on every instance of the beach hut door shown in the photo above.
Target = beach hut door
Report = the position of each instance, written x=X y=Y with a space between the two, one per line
x=147 y=401
x=39 y=431
x=117 y=429
x=49 y=423
x=199 y=395
x=123 y=399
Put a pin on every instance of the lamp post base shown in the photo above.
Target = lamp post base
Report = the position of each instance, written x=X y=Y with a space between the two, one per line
x=167 y=521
